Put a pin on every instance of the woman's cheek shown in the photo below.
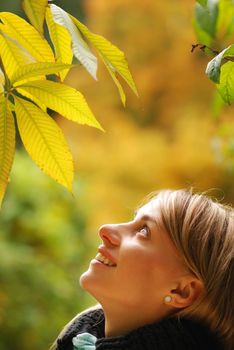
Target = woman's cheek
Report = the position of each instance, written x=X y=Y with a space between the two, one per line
x=136 y=261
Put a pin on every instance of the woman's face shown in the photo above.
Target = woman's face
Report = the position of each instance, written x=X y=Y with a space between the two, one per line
x=141 y=266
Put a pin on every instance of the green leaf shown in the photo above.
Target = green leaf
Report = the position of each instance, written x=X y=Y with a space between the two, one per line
x=61 y=98
x=44 y=141
x=206 y=17
x=213 y=67
x=27 y=36
x=61 y=40
x=226 y=85
x=79 y=47
x=35 y=69
x=112 y=56
x=7 y=144
x=202 y=2
x=202 y=36
x=225 y=25
x=35 y=11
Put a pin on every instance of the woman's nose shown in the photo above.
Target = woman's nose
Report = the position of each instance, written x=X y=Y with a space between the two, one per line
x=110 y=235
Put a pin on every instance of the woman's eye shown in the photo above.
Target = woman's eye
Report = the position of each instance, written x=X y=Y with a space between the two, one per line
x=145 y=231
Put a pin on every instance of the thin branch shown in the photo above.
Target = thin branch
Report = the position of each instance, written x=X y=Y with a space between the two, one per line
x=203 y=47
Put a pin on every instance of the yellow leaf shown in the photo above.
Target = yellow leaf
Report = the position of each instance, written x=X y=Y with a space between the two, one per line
x=61 y=98
x=61 y=40
x=2 y=81
x=27 y=36
x=7 y=144
x=35 y=69
x=11 y=105
x=35 y=10
x=117 y=83
x=111 y=55
x=13 y=55
x=44 y=141
x=79 y=47
x=34 y=99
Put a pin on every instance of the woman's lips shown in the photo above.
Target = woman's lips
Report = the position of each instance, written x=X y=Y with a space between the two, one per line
x=103 y=251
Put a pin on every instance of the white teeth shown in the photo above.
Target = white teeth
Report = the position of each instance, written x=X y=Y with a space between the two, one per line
x=100 y=257
x=104 y=260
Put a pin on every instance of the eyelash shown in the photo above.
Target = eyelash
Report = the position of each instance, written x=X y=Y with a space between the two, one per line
x=147 y=230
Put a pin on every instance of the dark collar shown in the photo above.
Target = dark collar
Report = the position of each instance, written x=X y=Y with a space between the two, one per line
x=168 y=334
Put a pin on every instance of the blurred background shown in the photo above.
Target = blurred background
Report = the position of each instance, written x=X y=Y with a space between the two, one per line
x=173 y=136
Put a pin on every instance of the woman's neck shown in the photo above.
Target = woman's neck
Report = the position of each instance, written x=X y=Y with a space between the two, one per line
x=120 y=321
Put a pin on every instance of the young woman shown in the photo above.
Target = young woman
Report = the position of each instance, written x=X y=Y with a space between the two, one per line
x=164 y=280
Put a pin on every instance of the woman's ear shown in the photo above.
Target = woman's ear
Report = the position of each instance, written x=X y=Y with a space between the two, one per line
x=187 y=291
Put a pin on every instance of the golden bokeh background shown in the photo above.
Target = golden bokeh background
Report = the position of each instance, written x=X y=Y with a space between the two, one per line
x=166 y=138
x=171 y=136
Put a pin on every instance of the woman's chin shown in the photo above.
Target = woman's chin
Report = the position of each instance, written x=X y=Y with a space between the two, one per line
x=84 y=279
x=92 y=285
x=87 y=281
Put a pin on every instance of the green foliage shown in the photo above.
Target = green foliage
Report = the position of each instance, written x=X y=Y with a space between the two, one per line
x=215 y=29
x=26 y=63
x=43 y=249
x=225 y=21
x=206 y=15
x=226 y=85
x=214 y=23
x=202 y=2
x=213 y=67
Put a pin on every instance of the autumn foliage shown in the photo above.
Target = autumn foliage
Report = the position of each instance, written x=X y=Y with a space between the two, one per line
x=26 y=93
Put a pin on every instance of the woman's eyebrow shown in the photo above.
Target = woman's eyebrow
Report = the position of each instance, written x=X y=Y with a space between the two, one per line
x=146 y=217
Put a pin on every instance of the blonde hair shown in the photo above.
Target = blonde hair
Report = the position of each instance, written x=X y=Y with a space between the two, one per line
x=203 y=233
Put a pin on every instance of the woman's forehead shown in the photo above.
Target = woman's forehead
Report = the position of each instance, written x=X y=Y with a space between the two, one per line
x=150 y=211
x=152 y=207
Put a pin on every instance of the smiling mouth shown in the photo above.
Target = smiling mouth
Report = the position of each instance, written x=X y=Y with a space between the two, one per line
x=104 y=260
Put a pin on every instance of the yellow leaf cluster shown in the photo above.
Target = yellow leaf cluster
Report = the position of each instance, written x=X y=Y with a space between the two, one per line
x=112 y=57
x=27 y=36
x=44 y=141
x=61 y=40
x=35 y=10
x=27 y=60
x=63 y=99
x=7 y=144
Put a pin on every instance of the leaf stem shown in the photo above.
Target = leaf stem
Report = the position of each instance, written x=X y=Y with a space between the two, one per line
x=203 y=47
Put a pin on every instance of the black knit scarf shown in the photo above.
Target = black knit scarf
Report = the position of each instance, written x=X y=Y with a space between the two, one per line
x=168 y=334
